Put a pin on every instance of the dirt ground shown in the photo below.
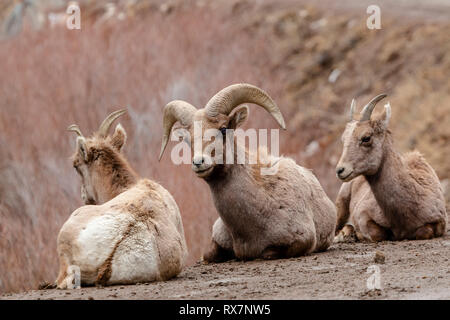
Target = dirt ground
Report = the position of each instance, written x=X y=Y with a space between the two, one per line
x=411 y=270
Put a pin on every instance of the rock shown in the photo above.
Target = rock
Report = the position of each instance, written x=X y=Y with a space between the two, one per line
x=166 y=8
x=334 y=75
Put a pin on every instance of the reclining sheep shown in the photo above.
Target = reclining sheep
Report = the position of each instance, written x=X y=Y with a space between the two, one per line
x=130 y=230
x=282 y=215
x=385 y=195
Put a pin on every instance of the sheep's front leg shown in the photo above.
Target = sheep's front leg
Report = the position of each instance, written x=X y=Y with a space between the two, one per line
x=425 y=232
x=377 y=232
x=60 y=281
x=271 y=253
x=343 y=206
x=347 y=234
x=221 y=248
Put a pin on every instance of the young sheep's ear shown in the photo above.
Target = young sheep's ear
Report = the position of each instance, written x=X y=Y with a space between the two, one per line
x=81 y=148
x=386 y=116
x=119 y=137
x=238 y=117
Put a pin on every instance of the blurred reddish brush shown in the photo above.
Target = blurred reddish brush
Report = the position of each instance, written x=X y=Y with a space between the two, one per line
x=57 y=77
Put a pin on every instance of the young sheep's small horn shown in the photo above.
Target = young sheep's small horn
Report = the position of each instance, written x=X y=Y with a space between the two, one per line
x=352 y=109
x=232 y=96
x=106 y=124
x=76 y=129
x=174 y=111
x=368 y=109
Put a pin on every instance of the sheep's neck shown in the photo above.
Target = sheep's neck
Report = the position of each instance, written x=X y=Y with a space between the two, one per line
x=392 y=185
x=120 y=178
x=236 y=196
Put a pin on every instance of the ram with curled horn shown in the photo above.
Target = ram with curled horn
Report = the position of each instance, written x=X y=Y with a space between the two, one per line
x=278 y=215
x=385 y=195
x=130 y=229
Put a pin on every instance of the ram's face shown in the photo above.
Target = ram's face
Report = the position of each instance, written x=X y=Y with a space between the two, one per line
x=208 y=138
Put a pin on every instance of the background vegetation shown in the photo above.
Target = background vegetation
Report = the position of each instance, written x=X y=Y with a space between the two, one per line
x=146 y=53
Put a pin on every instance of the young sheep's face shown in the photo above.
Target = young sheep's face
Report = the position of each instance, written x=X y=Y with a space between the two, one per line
x=93 y=161
x=208 y=139
x=362 y=149
x=85 y=169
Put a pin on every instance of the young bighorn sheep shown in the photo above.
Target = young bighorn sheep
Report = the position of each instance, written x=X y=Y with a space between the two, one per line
x=130 y=229
x=282 y=215
x=385 y=195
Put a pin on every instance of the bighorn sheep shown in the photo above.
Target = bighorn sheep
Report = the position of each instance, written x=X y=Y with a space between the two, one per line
x=130 y=230
x=385 y=196
x=282 y=215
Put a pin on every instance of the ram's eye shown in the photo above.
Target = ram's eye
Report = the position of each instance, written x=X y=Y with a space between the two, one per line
x=365 y=139
x=223 y=130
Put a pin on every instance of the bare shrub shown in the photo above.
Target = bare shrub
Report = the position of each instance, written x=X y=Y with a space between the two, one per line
x=57 y=77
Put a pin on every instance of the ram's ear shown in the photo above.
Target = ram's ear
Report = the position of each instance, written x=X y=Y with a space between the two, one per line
x=119 y=137
x=81 y=148
x=238 y=117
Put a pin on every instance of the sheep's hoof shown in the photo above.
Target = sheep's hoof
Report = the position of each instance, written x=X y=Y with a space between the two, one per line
x=217 y=254
x=272 y=253
x=347 y=234
x=46 y=285
x=425 y=232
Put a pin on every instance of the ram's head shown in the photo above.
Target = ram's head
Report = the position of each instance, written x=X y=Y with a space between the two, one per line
x=204 y=127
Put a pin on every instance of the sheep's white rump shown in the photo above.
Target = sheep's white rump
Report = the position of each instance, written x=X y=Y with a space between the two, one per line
x=135 y=237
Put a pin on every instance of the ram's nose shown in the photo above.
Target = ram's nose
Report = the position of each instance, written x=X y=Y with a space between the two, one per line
x=340 y=170
x=198 y=161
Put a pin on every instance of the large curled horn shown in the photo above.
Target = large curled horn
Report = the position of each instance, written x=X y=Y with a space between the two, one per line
x=232 y=96
x=174 y=111
x=368 y=109
x=106 y=124
x=76 y=129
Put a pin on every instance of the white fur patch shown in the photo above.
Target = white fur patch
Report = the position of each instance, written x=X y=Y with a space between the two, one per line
x=97 y=240
x=136 y=258
x=95 y=233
